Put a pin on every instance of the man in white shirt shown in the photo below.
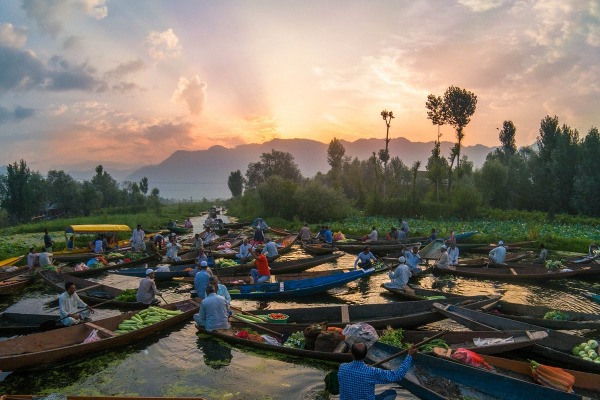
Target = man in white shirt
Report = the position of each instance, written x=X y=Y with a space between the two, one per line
x=373 y=236
x=70 y=307
x=172 y=249
x=137 y=239
x=498 y=254
x=400 y=276
x=453 y=255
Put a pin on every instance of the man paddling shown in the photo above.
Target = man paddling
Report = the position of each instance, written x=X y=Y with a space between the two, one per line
x=357 y=380
x=69 y=305
x=147 y=290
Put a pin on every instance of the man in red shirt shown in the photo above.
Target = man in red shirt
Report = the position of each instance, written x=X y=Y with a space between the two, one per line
x=262 y=272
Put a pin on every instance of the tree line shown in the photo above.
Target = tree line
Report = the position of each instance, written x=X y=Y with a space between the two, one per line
x=26 y=194
x=558 y=174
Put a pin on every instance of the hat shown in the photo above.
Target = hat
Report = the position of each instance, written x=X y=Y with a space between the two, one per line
x=203 y=264
x=444 y=247
x=149 y=271
x=402 y=259
x=501 y=243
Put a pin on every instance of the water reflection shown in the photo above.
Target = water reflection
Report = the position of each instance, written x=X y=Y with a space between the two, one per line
x=216 y=355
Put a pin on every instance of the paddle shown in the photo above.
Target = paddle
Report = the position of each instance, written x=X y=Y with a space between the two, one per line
x=163 y=299
x=437 y=335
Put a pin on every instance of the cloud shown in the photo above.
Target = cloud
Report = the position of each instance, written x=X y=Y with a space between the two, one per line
x=126 y=68
x=73 y=43
x=124 y=87
x=179 y=133
x=18 y=114
x=49 y=15
x=481 y=5
x=11 y=36
x=163 y=45
x=191 y=92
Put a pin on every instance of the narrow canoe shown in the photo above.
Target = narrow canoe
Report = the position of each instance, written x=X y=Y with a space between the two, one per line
x=45 y=348
x=15 y=283
x=175 y=271
x=34 y=397
x=485 y=262
x=16 y=323
x=88 y=291
x=535 y=315
x=11 y=261
x=380 y=316
x=93 y=271
x=317 y=248
x=279 y=267
x=298 y=288
x=236 y=225
x=556 y=347
x=20 y=270
x=416 y=293
x=236 y=280
x=380 y=249
x=434 y=378
x=510 y=247
x=518 y=274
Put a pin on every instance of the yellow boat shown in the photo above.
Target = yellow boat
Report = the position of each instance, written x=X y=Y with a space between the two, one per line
x=72 y=230
x=11 y=261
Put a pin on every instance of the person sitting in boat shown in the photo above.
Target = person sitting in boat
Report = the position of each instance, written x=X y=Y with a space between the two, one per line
x=71 y=308
x=392 y=234
x=172 y=224
x=208 y=236
x=188 y=224
x=357 y=380
x=305 y=233
x=543 y=255
x=328 y=236
x=270 y=250
x=364 y=258
x=245 y=253
x=33 y=258
x=431 y=237
x=45 y=258
x=400 y=276
x=147 y=290
x=261 y=224
x=213 y=314
x=444 y=260
x=201 y=280
x=201 y=257
x=452 y=238
x=259 y=236
x=404 y=226
x=98 y=248
x=262 y=272
x=137 y=239
x=172 y=248
x=401 y=235
x=321 y=234
x=70 y=243
x=453 y=254
x=498 y=254
x=593 y=249
x=220 y=289
x=373 y=236
x=197 y=243
x=413 y=259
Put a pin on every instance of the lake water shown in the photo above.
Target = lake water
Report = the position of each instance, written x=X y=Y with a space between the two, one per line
x=182 y=363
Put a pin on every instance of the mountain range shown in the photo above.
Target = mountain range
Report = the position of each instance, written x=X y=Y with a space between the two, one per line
x=204 y=173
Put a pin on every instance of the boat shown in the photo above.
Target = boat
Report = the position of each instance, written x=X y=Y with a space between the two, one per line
x=380 y=316
x=535 y=315
x=284 y=244
x=80 y=254
x=12 y=323
x=16 y=283
x=509 y=273
x=18 y=271
x=377 y=249
x=593 y=296
x=279 y=267
x=236 y=225
x=482 y=262
x=557 y=347
x=317 y=248
x=432 y=251
x=236 y=280
x=10 y=261
x=98 y=270
x=35 y=397
x=88 y=291
x=417 y=293
x=175 y=271
x=510 y=247
x=297 y=288
x=46 y=348
x=435 y=378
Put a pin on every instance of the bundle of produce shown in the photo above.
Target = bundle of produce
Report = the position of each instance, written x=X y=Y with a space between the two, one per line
x=295 y=340
x=311 y=333
x=255 y=319
x=557 y=315
x=554 y=265
x=145 y=318
x=393 y=337
x=127 y=295
x=433 y=344
x=226 y=263
x=328 y=340
x=234 y=291
x=587 y=351
x=553 y=377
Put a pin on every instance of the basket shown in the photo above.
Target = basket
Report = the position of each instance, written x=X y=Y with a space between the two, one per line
x=277 y=321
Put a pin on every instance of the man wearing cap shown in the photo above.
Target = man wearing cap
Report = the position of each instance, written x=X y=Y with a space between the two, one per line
x=364 y=258
x=172 y=249
x=400 y=276
x=453 y=253
x=444 y=260
x=137 y=239
x=413 y=259
x=213 y=313
x=498 y=254
x=147 y=290
x=262 y=272
x=201 y=280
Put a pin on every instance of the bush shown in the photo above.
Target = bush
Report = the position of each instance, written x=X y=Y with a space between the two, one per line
x=317 y=203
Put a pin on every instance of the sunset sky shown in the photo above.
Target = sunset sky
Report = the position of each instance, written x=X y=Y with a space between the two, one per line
x=127 y=82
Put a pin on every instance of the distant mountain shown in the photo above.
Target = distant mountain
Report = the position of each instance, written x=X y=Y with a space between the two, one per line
x=204 y=173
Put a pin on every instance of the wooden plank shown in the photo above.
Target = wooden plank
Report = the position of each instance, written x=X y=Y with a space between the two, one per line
x=345 y=314
x=342 y=347
x=101 y=329
x=513 y=271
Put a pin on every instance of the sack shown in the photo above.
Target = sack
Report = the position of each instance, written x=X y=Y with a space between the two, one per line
x=360 y=333
x=311 y=333
x=92 y=337
x=327 y=341
x=471 y=358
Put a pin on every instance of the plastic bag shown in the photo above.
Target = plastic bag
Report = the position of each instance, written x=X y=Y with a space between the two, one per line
x=471 y=358
x=162 y=268
x=81 y=267
x=92 y=337
x=360 y=333
x=271 y=340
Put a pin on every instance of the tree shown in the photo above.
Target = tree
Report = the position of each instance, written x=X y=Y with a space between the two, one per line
x=335 y=154
x=277 y=195
x=18 y=191
x=436 y=168
x=154 y=201
x=414 y=170
x=108 y=186
x=275 y=163
x=436 y=112
x=144 y=185
x=63 y=191
x=458 y=105
x=507 y=138
x=384 y=154
x=587 y=180
x=235 y=182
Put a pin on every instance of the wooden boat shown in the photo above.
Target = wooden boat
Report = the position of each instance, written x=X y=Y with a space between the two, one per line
x=556 y=347
x=15 y=283
x=485 y=262
x=435 y=378
x=284 y=244
x=535 y=315
x=416 y=293
x=80 y=254
x=175 y=271
x=94 y=271
x=19 y=271
x=380 y=316
x=236 y=225
x=510 y=247
x=518 y=274
x=593 y=296
x=16 y=323
x=432 y=251
x=377 y=249
x=11 y=261
x=33 y=397
x=88 y=291
x=45 y=348
x=236 y=280
x=298 y=288
x=317 y=248
x=279 y=267
x=180 y=230
x=277 y=231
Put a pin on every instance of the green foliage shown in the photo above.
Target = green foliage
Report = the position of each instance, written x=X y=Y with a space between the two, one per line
x=275 y=163
x=465 y=201
x=317 y=203
x=235 y=183
x=278 y=196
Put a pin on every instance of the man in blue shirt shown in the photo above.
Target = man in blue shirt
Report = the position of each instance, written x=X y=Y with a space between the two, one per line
x=364 y=258
x=413 y=259
x=270 y=250
x=328 y=236
x=498 y=254
x=213 y=311
x=357 y=380
x=201 y=280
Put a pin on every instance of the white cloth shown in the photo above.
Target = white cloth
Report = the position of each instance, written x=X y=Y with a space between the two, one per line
x=70 y=305
x=453 y=255
x=137 y=239
x=172 y=249
x=443 y=261
x=498 y=255
x=31 y=257
x=45 y=258
x=373 y=236
x=399 y=277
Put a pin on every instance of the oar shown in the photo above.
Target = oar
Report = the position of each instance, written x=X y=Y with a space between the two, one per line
x=163 y=299
x=437 y=335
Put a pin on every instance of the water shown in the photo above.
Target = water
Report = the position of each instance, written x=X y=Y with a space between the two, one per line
x=182 y=363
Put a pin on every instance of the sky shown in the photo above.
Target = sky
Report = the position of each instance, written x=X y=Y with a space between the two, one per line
x=128 y=82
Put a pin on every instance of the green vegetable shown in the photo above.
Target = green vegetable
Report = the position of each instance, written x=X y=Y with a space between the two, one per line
x=296 y=340
x=393 y=337
x=127 y=295
x=557 y=315
x=434 y=343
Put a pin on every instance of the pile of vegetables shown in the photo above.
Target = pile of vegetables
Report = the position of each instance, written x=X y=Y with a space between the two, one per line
x=296 y=340
x=127 y=295
x=433 y=344
x=587 y=351
x=393 y=337
x=145 y=318
x=557 y=315
x=234 y=291
x=226 y=263
x=554 y=265
x=255 y=319
x=553 y=377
